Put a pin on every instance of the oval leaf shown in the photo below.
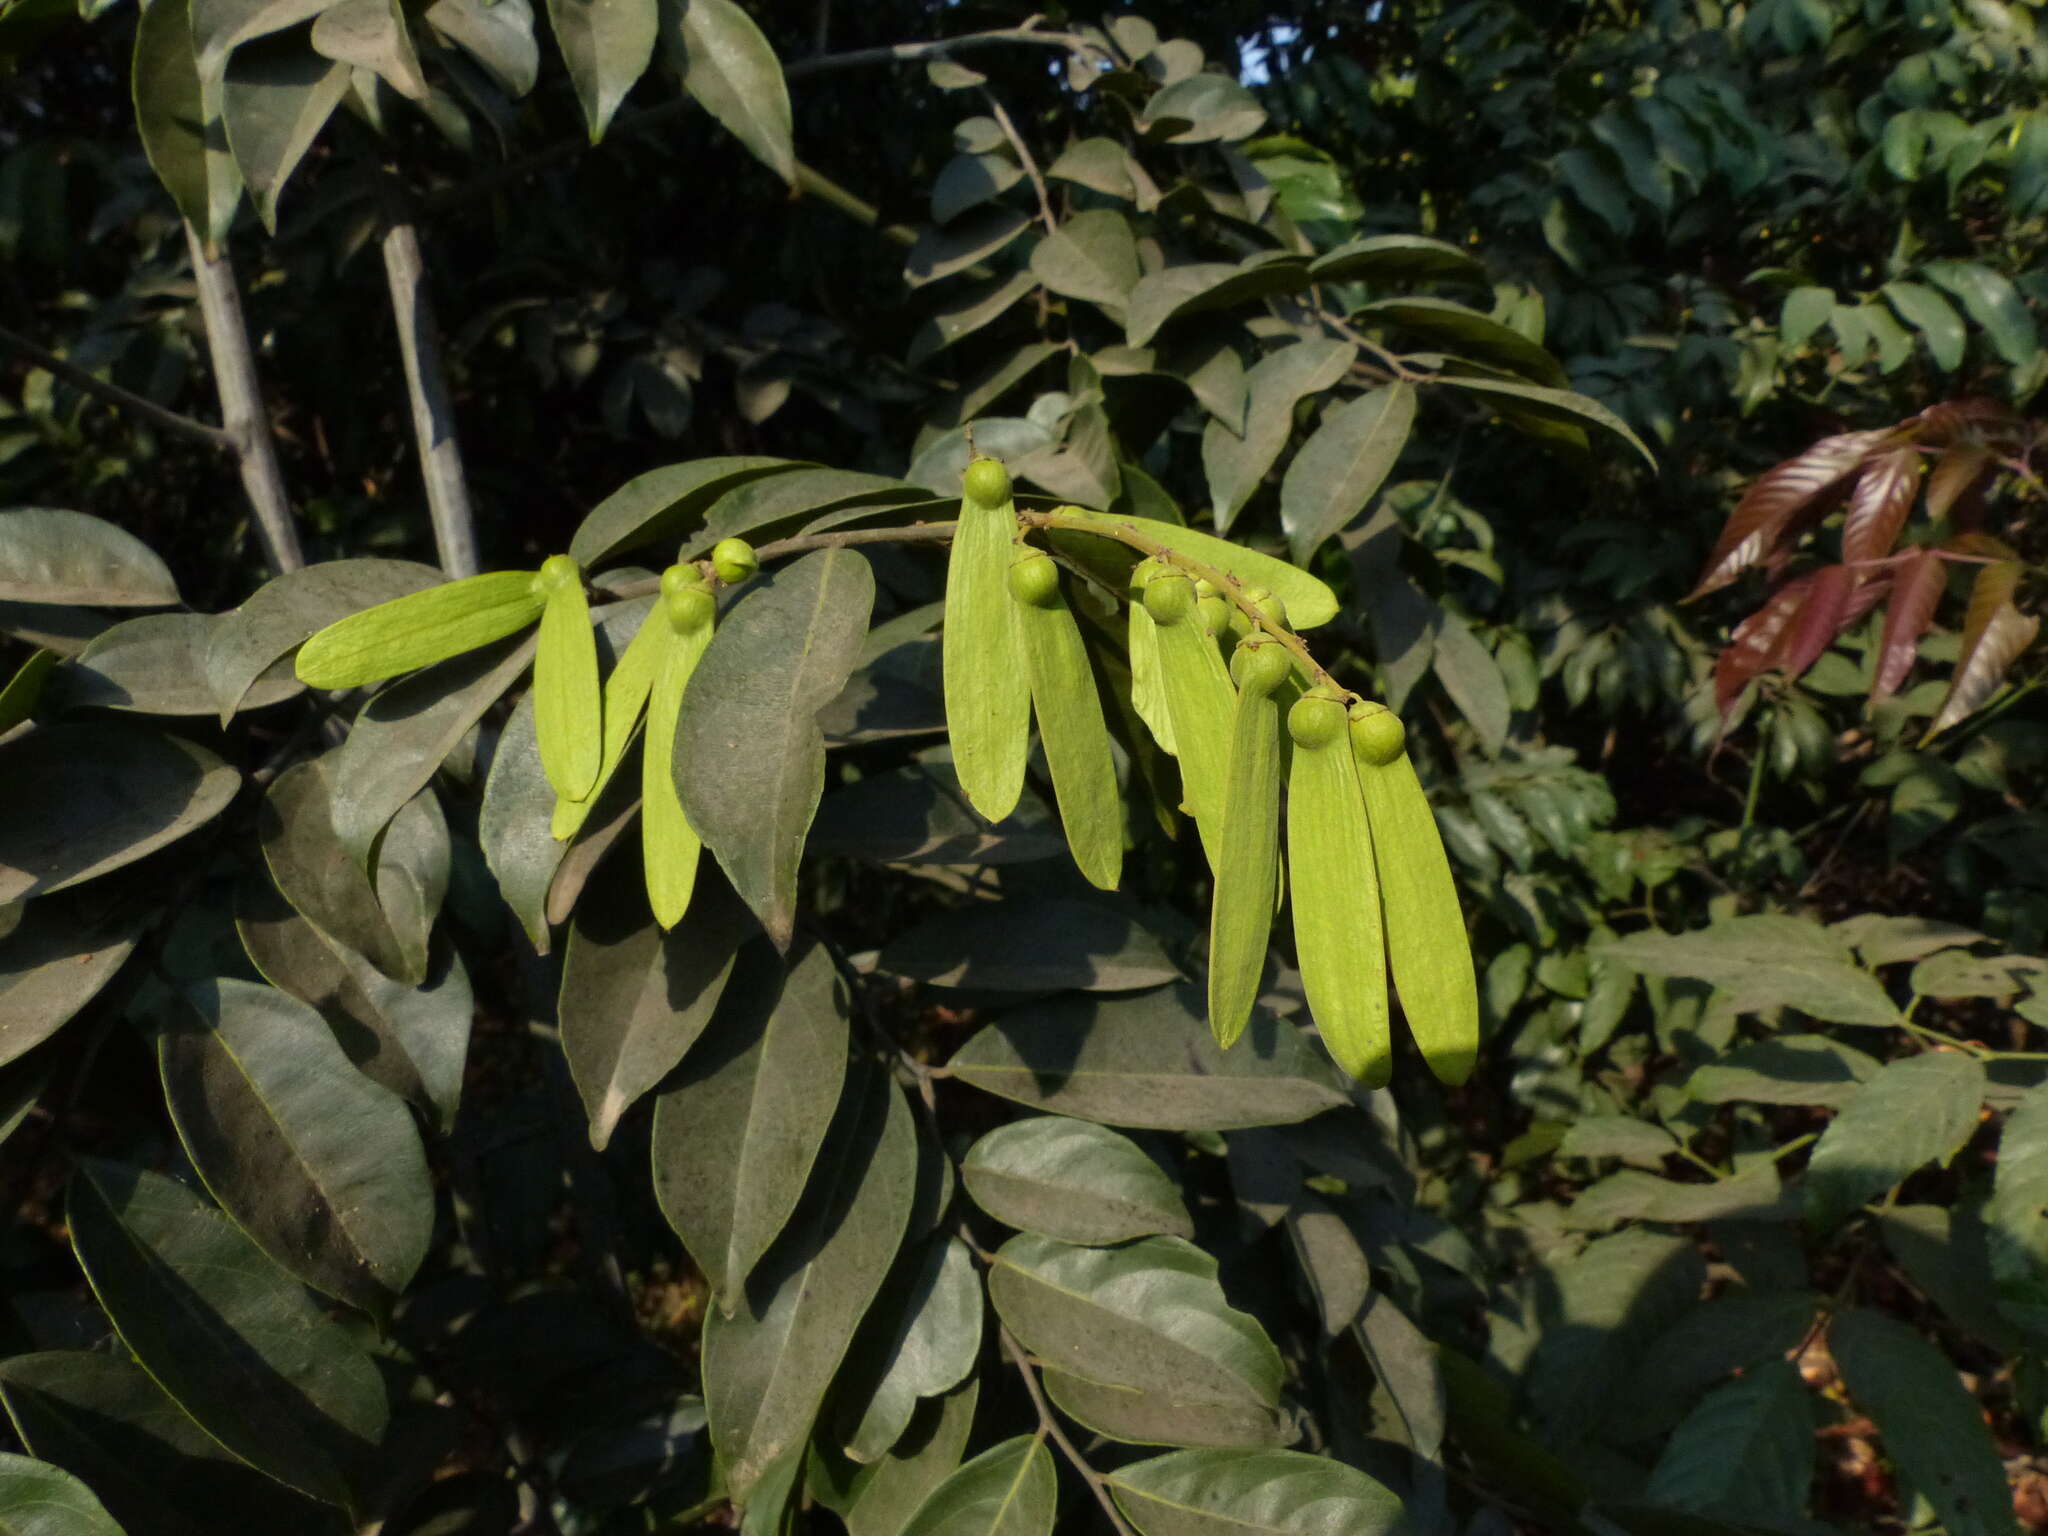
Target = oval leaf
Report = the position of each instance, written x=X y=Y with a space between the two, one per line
x=1252 y=1493
x=1008 y=1490
x=1072 y=1180
x=48 y=555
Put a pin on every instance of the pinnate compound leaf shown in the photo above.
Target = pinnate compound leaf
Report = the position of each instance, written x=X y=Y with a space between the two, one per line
x=1930 y=1425
x=1995 y=634
x=750 y=759
x=730 y=67
x=1008 y=1490
x=1148 y=1061
x=1075 y=738
x=37 y=1499
x=101 y=1418
x=988 y=695
x=1165 y=1418
x=1235 y=463
x=1746 y=1452
x=319 y=1165
x=736 y=1132
x=768 y=1366
x=1343 y=464
x=1917 y=588
x=48 y=555
x=636 y=997
x=1252 y=1493
x=245 y=642
x=1933 y=317
x=1612 y=1298
x=1990 y=299
x=1427 y=950
x=1879 y=504
x=1031 y=946
x=1787 y=1069
x=1145 y=1317
x=233 y=1338
x=419 y=629
x=86 y=799
x=607 y=45
x=53 y=961
x=1072 y=1180
x=1916 y=1111
x=1783 y=500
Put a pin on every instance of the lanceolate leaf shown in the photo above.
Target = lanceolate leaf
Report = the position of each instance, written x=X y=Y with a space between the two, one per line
x=750 y=759
x=1235 y=464
x=1930 y=1426
x=419 y=630
x=736 y=1130
x=1200 y=704
x=625 y=700
x=1339 y=938
x=1248 y=871
x=174 y=113
x=1917 y=588
x=321 y=1166
x=1341 y=467
x=1076 y=741
x=1008 y=1490
x=732 y=70
x=1252 y=1493
x=988 y=694
x=1783 y=500
x=1471 y=333
x=1792 y=629
x=227 y=1333
x=1822 y=617
x=1917 y=1111
x=878 y=1499
x=1553 y=405
x=567 y=704
x=767 y=1367
x=1880 y=503
x=1426 y=944
x=1995 y=633
x=607 y=45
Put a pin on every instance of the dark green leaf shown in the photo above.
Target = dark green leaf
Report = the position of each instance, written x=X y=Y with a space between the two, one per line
x=228 y=1334
x=1990 y=300
x=372 y=35
x=1933 y=316
x=1031 y=946
x=1203 y=109
x=966 y=182
x=926 y=1327
x=179 y=126
x=37 y=1499
x=1914 y=1112
x=1072 y=1180
x=750 y=759
x=635 y=998
x=732 y=70
x=1149 y=1061
x=1235 y=464
x=1192 y=287
x=662 y=504
x=1634 y=1196
x=498 y=34
x=1789 y=1069
x=1165 y=1418
x=85 y=799
x=53 y=961
x=1746 y=1452
x=917 y=815
x=1931 y=1427
x=1611 y=1298
x=967 y=311
x=2017 y=1215
x=321 y=1166
x=768 y=506
x=246 y=642
x=52 y=556
x=1485 y=340
x=1008 y=1490
x=883 y=1495
x=155 y=665
x=1765 y=961
x=1410 y=258
x=1552 y=405
x=942 y=252
x=1252 y=1493
x=1093 y=256
x=767 y=1367
x=736 y=1132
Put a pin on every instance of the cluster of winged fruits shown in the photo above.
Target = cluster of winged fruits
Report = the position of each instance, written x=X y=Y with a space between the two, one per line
x=1371 y=886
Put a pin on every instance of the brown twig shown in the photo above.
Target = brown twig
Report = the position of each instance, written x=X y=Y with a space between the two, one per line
x=1049 y=1426
x=115 y=395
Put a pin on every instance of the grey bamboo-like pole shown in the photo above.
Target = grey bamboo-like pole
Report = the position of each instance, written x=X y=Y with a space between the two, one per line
x=426 y=383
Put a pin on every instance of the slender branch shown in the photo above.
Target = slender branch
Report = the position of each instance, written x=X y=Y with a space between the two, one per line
x=241 y=404
x=1027 y=31
x=1024 y=157
x=426 y=382
x=114 y=394
x=815 y=183
x=1050 y=1427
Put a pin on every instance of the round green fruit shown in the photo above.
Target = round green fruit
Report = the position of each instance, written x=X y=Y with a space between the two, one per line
x=680 y=578
x=1260 y=664
x=1315 y=721
x=986 y=483
x=557 y=573
x=1035 y=580
x=689 y=609
x=1169 y=598
x=1268 y=604
x=1377 y=735
x=1214 y=613
x=734 y=560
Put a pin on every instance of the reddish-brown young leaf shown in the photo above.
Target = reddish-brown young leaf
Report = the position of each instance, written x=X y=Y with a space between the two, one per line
x=1879 y=504
x=1994 y=634
x=1915 y=590
x=1828 y=610
x=1954 y=421
x=1753 y=647
x=1783 y=500
x=1958 y=470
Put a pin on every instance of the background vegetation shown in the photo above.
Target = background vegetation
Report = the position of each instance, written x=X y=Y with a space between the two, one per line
x=1496 y=317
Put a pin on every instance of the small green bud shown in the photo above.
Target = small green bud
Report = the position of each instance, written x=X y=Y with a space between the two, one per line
x=1214 y=612
x=1377 y=735
x=1268 y=604
x=556 y=573
x=734 y=560
x=1316 y=720
x=986 y=483
x=1035 y=579
x=1259 y=665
